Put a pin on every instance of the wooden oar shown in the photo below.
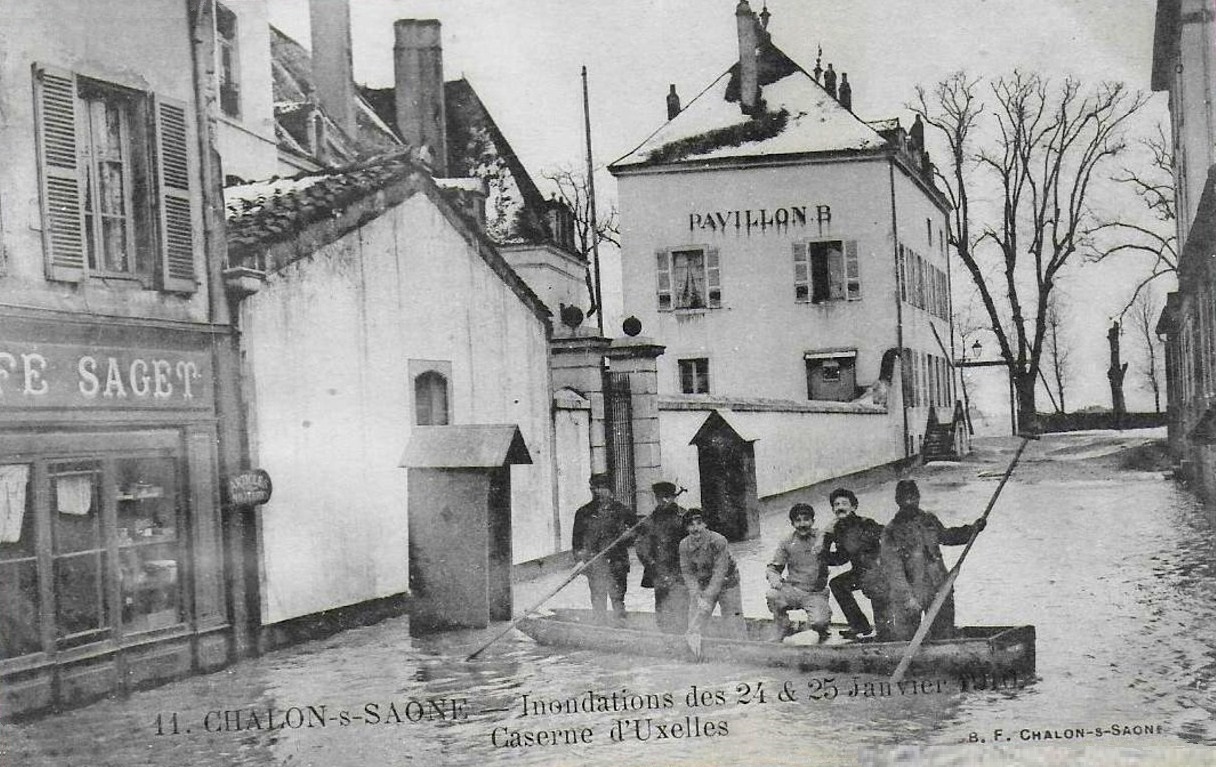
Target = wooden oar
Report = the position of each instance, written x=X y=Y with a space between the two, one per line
x=573 y=574
x=926 y=622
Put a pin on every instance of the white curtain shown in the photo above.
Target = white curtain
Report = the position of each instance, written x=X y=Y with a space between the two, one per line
x=14 y=478
x=75 y=493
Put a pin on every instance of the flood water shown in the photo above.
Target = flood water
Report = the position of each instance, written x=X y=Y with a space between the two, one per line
x=1117 y=571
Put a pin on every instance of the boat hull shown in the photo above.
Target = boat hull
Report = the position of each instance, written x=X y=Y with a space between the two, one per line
x=998 y=651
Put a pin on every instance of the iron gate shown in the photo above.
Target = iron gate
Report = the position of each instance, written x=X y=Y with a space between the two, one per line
x=618 y=432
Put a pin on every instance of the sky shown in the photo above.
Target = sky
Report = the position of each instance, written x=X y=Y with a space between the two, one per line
x=524 y=59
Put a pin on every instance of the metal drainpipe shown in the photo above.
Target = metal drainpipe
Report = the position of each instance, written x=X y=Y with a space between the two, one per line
x=232 y=448
x=899 y=308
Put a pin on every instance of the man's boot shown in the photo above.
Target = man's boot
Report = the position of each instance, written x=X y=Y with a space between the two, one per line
x=781 y=626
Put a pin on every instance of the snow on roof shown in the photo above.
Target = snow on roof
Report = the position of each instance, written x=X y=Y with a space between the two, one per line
x=247 y=199
x=813 y=122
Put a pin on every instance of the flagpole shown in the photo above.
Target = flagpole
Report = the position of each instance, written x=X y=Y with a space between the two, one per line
x=594 y=227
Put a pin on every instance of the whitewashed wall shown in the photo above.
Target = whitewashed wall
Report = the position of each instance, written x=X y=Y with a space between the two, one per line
x=328 y=342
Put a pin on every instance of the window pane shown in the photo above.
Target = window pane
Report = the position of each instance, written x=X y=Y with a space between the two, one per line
x=19 y=634
x=688 y=276
x=79 y=552
x=431 y=399
x=150 y=533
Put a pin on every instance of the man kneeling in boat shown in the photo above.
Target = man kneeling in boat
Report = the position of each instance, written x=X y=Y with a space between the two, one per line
x=803 y=558
x=711 y=576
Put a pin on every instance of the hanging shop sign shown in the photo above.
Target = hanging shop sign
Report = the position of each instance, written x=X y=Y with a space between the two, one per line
x=249 y=488
x=38 y=375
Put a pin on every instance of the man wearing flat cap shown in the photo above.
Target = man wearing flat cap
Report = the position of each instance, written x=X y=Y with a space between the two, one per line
x=596 y=525
x=658 y=547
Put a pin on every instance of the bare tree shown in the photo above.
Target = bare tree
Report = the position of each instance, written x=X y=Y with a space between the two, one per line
x=1143 y=314
x=1154 y=240
x=574 y=190
x=1058 y=352
x=1039 y=148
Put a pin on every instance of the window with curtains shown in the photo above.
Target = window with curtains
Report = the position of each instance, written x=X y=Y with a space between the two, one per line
x=689 y=278
x=115 y=182
x=694 y=375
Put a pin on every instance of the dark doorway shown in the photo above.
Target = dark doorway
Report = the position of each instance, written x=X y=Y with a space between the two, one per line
x=727 y=464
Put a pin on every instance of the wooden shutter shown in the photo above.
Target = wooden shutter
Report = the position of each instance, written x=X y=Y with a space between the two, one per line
x=836 y=273
x=176 y=213
x=713 y=280
x=61 y=174
x=802 y=274
x=852 y=271
x=663 y=266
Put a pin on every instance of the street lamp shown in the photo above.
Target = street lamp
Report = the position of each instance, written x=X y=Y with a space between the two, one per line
x=977 y=350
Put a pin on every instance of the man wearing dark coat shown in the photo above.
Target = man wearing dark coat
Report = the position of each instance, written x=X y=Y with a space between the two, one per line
x=858 y=540
x=658 y=547
x=596 y=525
x=912 y=562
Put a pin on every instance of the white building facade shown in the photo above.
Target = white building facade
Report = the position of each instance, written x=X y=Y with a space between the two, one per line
x=779 y=256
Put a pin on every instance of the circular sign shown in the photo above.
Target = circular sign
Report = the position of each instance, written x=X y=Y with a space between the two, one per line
x=249 y=488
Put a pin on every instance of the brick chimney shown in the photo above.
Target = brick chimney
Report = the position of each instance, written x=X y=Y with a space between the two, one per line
x=829 y=81
x=845 y=95
x=418 y=74
x=673 y=102
x=749 y=41
x=332 y=73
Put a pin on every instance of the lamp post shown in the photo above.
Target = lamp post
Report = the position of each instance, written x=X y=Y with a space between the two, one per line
x=977 y=349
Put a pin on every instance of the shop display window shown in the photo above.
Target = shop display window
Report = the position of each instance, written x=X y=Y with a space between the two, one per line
x=101 y=538
x=19 y=630
x=148 y=549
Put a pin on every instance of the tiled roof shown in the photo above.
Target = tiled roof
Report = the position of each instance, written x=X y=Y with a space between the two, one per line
x=263 y=212
x=799 y=117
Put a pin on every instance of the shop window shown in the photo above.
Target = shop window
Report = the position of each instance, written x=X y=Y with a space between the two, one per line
x=831 y=375
x=227 y=63
x=689 y=279
x=694 y=376
x=19 y=601
x=149 y=543
x=79 y=558
x=826 y=271
x=116 y=182
x=431 y=399
x=112 y=555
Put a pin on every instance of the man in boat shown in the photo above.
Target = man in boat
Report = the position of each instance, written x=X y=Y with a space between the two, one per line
x=857 y=539
x=658 y=547
x=912 y=563
x=710 y=575
x=803 y=558
x=596 y=525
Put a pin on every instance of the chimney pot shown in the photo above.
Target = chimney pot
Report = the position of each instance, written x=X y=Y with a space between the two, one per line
x=673 y=102
x=829 y=81
x=418 y=89
x=332 y=73
x=918 y=133
x=846 y=92
x=749 y=41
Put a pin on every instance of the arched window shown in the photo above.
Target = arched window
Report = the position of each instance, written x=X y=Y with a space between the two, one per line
x=431 y=399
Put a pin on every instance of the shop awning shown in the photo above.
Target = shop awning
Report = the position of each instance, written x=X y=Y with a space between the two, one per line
x=465 y=446
x=829 y=354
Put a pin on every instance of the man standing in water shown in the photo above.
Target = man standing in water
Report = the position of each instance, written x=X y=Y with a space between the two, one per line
x=710 y=575
x=596 y=525
x=912 y=562
x=658 y=547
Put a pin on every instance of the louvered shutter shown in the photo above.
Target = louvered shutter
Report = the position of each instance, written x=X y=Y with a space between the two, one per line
x=852 y=271
x=802 y=274
x=176 y=213
x=61 y=174
x=836 y=273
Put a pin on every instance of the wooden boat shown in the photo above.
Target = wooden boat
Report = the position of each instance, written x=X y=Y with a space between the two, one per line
x=997 y=652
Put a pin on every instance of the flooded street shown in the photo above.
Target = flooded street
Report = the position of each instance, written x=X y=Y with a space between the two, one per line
x=1116 y=568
